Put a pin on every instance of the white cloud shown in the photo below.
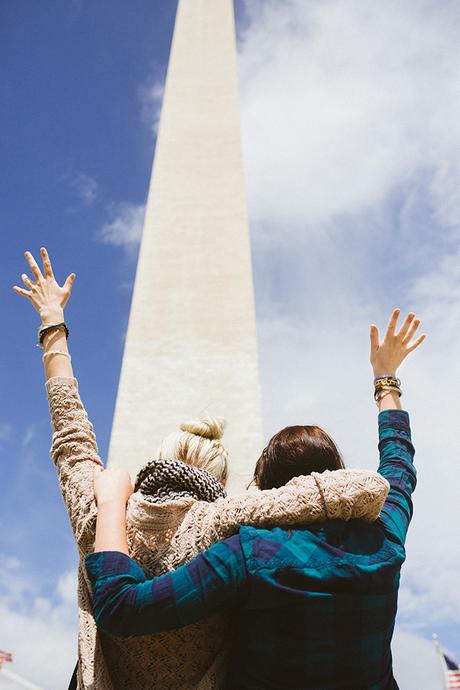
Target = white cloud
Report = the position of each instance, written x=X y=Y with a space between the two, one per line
x=5 y=431
x=344 y=102
x=125 y=226
x=30 y=434
x=416 y=662
x=85 y=186
x=351 y=144
x=40 y=631
x=150 y=99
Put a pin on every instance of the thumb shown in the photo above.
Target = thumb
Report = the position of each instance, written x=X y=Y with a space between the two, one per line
x=69 y=282
x=374 y=335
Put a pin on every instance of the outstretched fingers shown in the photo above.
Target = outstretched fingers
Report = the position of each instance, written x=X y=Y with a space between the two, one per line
x=69 y=281
x=375 y=340
x=46 y=263
x=416 y=343
x=391 y=328
x=409 y=334
x=21 y=291
x=27 y=281
x=33 y=265
x=406 y=326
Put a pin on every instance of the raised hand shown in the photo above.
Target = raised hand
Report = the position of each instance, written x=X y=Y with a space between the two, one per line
x=386 y=356
x=47 y=297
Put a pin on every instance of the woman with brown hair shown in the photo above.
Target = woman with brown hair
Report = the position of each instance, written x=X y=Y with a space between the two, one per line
x=178 y=509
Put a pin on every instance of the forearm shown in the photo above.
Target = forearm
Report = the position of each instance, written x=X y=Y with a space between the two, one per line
x=75 y=453
x=111 y=527
x=56 y=342
x=125 y=603
x=396 y=465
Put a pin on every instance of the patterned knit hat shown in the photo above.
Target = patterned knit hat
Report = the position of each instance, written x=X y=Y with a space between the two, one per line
x=161 y=481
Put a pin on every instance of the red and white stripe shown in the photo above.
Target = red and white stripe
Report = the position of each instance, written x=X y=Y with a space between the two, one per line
x=453 y=679
x=5 y=656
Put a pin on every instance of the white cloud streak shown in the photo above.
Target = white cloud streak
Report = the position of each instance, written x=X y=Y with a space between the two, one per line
x=150 y=99
x=5 y=432
x=351 y=140
x=125 y=226
x=30 y=434
x=85 y=186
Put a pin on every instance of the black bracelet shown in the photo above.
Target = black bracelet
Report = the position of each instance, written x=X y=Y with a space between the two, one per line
x=43 y=331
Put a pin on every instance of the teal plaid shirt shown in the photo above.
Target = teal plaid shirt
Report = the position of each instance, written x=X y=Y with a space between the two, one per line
x=316 y=605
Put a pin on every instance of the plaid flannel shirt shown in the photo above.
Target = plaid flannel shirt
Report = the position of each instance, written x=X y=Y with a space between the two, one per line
x=316 y=606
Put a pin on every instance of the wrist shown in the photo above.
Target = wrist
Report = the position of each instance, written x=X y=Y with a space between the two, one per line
x=378 y=373
x=112 y=504
x=51 y=315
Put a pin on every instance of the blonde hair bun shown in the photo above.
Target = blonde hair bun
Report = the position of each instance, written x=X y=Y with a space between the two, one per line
x=206 y=427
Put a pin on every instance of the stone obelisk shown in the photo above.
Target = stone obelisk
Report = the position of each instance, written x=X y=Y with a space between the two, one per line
x=191 y=344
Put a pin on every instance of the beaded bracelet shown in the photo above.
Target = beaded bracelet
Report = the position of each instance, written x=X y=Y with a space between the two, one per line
x=56 y=352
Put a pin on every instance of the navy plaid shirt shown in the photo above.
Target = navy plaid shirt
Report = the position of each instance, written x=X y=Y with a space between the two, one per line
x=316 y=605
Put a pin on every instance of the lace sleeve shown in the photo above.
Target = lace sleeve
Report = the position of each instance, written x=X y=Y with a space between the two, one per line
x=340 y=494
x=75 y=454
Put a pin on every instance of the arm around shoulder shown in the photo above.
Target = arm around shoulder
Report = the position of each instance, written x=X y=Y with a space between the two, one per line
x=339 y=494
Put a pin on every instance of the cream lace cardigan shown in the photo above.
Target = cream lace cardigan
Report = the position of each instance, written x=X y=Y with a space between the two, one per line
x=162 y=537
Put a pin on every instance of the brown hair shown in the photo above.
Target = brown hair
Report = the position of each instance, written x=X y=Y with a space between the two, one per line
x=295 y=451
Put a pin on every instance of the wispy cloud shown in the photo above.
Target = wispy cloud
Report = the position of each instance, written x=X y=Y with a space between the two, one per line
x=29 y=435
x=150 y=99
x=85 y=187
x=354 y=100
x=125 y=227
x=5 y=431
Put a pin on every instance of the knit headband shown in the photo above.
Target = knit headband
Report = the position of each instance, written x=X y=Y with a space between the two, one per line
x=161 y=481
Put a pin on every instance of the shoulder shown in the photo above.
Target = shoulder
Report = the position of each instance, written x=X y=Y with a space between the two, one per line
x=261 y=546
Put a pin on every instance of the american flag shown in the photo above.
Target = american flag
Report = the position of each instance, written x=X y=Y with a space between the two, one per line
x=452 y=674
x=5 y=656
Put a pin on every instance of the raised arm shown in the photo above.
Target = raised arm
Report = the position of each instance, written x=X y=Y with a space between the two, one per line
x=395 y=444
x=343 y=494
x=74 y=449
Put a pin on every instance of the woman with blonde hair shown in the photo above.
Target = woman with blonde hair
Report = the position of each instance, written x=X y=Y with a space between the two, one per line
x=177 y=510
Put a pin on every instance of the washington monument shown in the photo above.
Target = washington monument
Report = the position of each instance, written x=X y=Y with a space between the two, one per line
x=191 y=345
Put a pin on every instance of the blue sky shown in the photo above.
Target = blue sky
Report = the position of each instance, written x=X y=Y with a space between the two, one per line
x=354 y=209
